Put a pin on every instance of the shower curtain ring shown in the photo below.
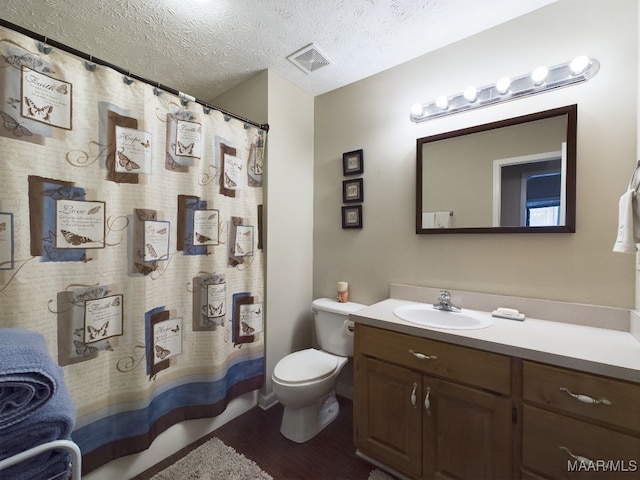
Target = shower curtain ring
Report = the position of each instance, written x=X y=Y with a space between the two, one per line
x=89 y=64
x=43 y=47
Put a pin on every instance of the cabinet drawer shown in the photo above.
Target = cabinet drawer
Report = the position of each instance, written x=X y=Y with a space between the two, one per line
x=486 y=370
x=550 y=386
x=548 y=437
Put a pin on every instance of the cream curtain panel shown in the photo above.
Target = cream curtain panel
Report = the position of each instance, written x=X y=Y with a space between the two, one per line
x=130 y=227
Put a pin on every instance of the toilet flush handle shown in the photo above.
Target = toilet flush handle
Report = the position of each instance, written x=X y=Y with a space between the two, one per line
x=349 y=327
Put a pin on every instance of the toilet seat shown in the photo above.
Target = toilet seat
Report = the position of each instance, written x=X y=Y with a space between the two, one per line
x=305 y=366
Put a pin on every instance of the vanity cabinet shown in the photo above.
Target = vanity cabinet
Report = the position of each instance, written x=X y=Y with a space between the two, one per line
x=431 y=409
x=570 y=415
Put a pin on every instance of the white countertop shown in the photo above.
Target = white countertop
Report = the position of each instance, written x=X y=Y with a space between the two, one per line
x=597 y=350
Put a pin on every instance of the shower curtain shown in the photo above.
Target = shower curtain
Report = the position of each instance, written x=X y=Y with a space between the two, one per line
x=130 y=236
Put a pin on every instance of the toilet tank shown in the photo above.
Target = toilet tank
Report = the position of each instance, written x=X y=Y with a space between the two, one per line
x=334 y=330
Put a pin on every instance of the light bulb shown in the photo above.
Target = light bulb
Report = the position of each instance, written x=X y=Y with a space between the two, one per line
x=471 y=94
x=417 y=110
x=442 y=102
x=503 y=85
x=579 y=64
x=539 y=74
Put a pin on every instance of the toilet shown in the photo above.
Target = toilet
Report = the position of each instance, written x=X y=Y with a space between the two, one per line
x=304 y=381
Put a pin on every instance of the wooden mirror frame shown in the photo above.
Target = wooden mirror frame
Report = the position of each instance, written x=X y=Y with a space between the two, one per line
x=571 y=111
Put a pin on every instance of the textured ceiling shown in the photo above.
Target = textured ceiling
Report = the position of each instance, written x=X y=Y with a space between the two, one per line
x=205 y=49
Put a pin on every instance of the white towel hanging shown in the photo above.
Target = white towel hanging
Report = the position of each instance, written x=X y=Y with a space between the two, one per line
x=629 y=216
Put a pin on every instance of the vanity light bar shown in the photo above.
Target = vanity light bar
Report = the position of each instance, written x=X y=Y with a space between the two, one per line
x=542 y=79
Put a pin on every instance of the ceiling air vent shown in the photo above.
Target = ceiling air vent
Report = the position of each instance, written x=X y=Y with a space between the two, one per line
x=309 y=59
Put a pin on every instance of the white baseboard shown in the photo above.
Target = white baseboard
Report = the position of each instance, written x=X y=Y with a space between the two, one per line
x=267 y=400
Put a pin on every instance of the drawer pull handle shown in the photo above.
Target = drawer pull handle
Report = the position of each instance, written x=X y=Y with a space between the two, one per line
x=579 y=458
x=422 y=356
x=413 y=394
x=427 y=402
x=585 y=398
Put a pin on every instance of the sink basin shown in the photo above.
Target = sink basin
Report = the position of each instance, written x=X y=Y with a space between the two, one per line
x=427 y=316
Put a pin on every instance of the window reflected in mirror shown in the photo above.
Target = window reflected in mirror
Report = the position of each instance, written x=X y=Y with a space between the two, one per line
x=515 y=175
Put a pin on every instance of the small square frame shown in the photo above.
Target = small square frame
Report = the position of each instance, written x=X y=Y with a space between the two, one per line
x=352 y=191
x=352 y=216
x=352 y=163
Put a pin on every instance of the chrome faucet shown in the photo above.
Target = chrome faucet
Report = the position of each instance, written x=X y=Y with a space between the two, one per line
x=444 y=302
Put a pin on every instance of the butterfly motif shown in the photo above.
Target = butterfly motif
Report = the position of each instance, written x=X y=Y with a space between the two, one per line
x=13 y=126
x=35 y=111
x=63 y=89
x=186 y=149
x=161 y=353
x=215 y=311
x=162 y=231
x=176 y=329
x=90 y=294
x=18 y=61
x=97 y=333
x=145 y=214
x=95 y=209
x=247 y=329
x=3 y=226
x=172 y=164
x=116 y=302
x=212 y=322
x=152 y=250
x=202 y=238
x=146 y=269
x=84 y=349
x=145 y=144
x=126 y=162
x=229 y=182
x=75 y=239
x=12 y=102
x=62 y=192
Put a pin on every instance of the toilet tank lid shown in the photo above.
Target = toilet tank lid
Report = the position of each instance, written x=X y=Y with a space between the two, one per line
x=332 y=305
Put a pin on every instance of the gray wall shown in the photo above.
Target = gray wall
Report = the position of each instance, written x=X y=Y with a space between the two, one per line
x=373 y=114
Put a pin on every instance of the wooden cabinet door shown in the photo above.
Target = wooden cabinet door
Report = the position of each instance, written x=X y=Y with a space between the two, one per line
x=388 y=426
x=467 y=432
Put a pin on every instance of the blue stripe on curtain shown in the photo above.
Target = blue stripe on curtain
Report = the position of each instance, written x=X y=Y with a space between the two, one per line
x=128 y=424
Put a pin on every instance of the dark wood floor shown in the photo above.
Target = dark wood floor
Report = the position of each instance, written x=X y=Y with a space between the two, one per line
x=256 y=434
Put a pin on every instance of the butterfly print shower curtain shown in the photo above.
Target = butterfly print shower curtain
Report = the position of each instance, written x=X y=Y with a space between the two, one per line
x=129 y=237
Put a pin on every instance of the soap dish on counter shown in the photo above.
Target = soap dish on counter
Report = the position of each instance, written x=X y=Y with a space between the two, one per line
x=508 y=313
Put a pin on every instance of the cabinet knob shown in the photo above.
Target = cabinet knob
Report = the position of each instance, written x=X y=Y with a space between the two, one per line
x=427 y=402
x=586 y=398
x=422 y=356
x=413 y=394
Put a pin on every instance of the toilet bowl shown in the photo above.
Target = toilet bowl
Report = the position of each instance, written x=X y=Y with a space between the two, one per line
x=304 y=381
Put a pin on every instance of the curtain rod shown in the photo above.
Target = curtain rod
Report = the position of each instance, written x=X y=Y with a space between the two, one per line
x=90 y=58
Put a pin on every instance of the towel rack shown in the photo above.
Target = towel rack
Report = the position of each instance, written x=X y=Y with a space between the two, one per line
x=69 y=446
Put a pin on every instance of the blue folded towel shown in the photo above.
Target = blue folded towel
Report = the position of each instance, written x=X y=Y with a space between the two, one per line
x=37 y=408
x=54 y=421
x=28 y=375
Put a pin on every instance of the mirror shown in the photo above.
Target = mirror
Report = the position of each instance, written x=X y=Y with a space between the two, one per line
x=512 y=176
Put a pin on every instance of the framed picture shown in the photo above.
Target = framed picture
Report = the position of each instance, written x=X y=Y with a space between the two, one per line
x=352 y=216
x=352 y=191
x=352 y=163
